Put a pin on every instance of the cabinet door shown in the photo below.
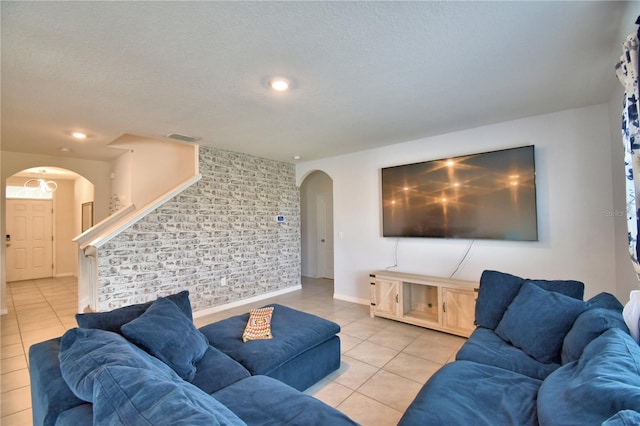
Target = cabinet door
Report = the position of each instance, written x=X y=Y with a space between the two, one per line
x=386 y=297
x=459 y=310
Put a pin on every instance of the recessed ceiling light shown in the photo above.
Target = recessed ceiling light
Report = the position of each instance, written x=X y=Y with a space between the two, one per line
x=296 y=157
x=65 y=149
x=279 y=84
x=79 y=135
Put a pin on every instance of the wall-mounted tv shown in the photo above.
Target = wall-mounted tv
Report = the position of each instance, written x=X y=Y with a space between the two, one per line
x=491 y=195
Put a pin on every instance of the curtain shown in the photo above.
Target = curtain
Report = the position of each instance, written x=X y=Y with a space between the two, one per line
x=627 y=72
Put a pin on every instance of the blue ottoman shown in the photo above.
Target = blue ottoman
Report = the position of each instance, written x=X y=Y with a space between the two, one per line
x=304 y=348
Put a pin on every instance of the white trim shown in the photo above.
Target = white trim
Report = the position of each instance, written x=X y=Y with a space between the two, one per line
x=82 y=304
x=103 y=225
x=352 y=299
x=242 y=302
x=137 y=215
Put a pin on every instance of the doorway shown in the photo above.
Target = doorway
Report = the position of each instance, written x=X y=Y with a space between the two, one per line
x=42 y=217
x=29 y=239
x=324 y=213
x=71 y=190
x=316 y=207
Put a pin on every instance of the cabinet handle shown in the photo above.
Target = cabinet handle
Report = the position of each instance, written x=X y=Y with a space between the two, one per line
x=397 y=301
x=444 y=307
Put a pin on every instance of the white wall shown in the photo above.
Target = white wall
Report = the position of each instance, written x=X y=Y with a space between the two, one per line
x=151 y=168
x=574 y=181
x=121 y=180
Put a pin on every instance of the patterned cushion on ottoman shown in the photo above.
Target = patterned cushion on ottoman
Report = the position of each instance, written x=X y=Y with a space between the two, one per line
x=259 y=325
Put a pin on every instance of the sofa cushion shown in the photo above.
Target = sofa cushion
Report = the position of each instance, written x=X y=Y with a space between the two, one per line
x=216 y=370
x=498 y=289
x=604 y=381
x=166 y=333
x=84 y=351
x=538 y=320
x=623 y=418
x=80 y=415
x=468 y=393
x=113 y=320
x=605 y=300
x=294 y=332
x=589 y=325
x=486 y=347
x=50 y=394
x=131 y=396
x=261 y=400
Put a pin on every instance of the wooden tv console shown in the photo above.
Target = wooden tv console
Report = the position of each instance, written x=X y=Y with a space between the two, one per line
x=437 y=303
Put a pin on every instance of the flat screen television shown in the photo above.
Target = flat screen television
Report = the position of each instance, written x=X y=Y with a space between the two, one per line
x=491 y=195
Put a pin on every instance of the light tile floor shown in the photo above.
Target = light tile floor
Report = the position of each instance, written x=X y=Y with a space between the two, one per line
x=38 y=310
x=384 y=363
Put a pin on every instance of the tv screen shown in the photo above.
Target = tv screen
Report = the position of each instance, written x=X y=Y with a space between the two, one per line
x=491 y=195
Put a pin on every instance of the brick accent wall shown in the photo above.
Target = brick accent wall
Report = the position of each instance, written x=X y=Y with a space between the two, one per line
x=224 y=226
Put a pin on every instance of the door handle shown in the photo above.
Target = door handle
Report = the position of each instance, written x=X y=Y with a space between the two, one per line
x=322 y=240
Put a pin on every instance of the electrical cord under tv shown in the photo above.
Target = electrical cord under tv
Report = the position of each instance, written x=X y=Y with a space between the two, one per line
x=395 y=256
x=462 y=260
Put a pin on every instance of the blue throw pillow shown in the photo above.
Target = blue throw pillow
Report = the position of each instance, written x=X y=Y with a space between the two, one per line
x=606 y=300
x=589 y=325
x=113 y=320
x=498 y=289
x=537 y=321
x=129 y=396
x=166 y=333
x=84 y=351
x=603 y=382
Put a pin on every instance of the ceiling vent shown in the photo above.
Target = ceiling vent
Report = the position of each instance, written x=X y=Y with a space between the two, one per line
x=183 y=138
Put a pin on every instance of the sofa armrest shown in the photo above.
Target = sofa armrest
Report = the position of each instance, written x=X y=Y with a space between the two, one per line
x=50 y=394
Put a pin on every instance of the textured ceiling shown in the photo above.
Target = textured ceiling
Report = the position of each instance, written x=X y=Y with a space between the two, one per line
x=365 y=74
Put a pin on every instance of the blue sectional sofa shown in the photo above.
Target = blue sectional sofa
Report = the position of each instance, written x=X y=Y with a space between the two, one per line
x=148 y=364
x=540 y=355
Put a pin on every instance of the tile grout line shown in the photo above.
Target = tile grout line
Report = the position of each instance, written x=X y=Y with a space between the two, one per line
x=379 y=369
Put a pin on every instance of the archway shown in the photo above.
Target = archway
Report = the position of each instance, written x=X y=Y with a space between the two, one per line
x=316 y=209
x=55 y=195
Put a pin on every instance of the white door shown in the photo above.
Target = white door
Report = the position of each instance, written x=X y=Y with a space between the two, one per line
x=29 y=245
x=324 y=204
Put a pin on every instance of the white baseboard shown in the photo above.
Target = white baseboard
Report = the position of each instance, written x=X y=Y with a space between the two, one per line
x=242 y=302
x=352 y=299
x=82 y=304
